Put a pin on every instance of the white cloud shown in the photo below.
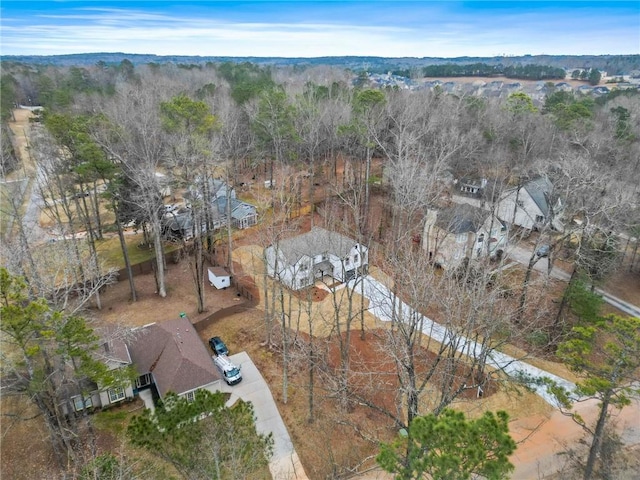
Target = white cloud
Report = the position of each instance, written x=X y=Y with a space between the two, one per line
x=100 y=30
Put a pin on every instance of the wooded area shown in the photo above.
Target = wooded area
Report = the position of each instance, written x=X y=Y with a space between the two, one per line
x=116 y=144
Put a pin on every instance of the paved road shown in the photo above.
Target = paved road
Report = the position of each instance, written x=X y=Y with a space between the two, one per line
x=521 y=255
x=285 y=464
x=31 y=219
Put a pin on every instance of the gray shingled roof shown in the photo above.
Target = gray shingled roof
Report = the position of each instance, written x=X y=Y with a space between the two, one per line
x=540 y=190
x=239 y=209
x=113 y=348
x=173 y=352
x=315 y=242
x=462 y=218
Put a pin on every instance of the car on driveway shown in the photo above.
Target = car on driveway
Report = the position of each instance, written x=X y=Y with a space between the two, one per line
x=543 y=251
x=218 y=346
x=229 y=371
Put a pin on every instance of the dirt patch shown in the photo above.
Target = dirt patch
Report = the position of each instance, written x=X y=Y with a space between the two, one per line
x=373 y=373
x=25 y=446
x=20 y=129
x=314 y=294
x=625 y=285
x=117 y=307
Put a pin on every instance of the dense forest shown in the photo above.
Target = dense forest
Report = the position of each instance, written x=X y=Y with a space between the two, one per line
x=525 y=72
x=381 y=160
x=613 y=64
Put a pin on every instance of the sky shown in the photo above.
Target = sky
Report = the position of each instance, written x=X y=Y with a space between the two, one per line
x=321 y=28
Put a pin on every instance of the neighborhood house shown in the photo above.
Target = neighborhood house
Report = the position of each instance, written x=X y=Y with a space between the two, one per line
x=462 y=231
x=531 y=205
x=299 y=261
x=168 y=356
x=179 y=224
x=171 y=356
x=114 y=353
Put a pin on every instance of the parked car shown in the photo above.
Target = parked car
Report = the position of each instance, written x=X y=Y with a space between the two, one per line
x=218 y=346
x=229 y=371
x=543 y=251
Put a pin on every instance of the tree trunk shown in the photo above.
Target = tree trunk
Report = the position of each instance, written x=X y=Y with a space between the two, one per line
x=365 y=215
x=596 y=443
x=525 y=286
x=229 y=236
x=157 y=243
x=285 y=358
x=125 y=254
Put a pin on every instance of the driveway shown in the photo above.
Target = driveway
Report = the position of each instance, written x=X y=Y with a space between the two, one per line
x=382 y=303
x=284 y=464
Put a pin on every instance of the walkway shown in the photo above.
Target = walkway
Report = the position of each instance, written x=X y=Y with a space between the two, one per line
x=381 y=301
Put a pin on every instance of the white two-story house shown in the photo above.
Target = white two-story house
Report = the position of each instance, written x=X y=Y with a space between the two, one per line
x=532 y=205
x=299 y=261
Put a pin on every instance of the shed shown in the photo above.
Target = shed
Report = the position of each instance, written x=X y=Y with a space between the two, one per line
x=219 y=277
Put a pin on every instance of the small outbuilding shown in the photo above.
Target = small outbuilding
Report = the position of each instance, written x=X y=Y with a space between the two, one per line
x=219 y=277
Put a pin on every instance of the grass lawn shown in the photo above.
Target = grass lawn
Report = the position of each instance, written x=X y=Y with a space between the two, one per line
x=110 y=251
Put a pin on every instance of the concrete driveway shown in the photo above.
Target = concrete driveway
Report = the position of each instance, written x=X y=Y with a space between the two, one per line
x=284 y=464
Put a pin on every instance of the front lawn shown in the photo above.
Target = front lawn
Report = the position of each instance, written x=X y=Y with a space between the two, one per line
x=111 y=253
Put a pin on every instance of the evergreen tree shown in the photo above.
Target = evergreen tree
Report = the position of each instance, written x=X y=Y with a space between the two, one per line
x=203 y=438
x=451 y=447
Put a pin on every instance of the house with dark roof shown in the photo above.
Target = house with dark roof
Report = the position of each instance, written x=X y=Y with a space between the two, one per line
x=563 y=87
x=472 y=186
x=168 y=356
x=171 y=356
x=299 y=261
x=243 y=215
x=531 y=205
x=114 y=353
x=462 y=232
x=179 y=224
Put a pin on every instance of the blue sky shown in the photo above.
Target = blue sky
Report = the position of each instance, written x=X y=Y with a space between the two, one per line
x=326 y=28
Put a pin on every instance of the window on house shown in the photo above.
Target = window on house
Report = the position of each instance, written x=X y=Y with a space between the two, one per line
x=461 y=237
x=80 y=404
x=355 y=258
x=481 y=238
x=539 y=219
x=303 y=267
x=347 y=261
x=520 y=203
x=191 y=396
x=116 y=394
